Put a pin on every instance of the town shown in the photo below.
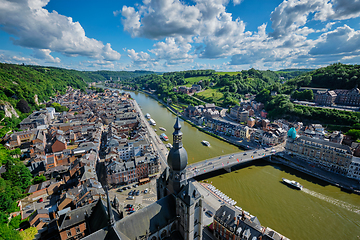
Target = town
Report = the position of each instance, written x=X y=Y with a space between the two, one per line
x=103 y=146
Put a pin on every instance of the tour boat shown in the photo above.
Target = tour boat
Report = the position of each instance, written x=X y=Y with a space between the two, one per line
x=162 y=129
x=147 y=116
x=164 y=137
x=292 y=183
x=168 y=145
x=206 y=143
x=152 y=122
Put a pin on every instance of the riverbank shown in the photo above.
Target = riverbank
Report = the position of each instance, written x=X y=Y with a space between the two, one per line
x=345 y=183
x=244 y=144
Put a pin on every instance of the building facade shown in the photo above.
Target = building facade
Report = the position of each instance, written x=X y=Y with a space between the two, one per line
x=331 y=156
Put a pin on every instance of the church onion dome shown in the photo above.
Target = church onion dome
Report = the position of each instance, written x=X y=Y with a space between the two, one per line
x=177 y=158
x=292 y=133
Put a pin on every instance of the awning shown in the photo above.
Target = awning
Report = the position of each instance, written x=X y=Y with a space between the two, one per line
x=144 y=180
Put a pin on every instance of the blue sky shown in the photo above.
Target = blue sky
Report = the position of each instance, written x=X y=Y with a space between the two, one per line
x=173 y=35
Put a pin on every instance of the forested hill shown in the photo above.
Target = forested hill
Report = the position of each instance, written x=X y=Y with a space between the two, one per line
x=115 y=75
x=24 y=82
x=335 y=76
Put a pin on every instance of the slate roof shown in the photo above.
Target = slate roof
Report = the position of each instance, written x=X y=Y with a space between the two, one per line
x=150 y=218
x=189 y=194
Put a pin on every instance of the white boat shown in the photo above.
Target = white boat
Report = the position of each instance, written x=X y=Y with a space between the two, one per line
x=162 y=129
x=168 y=145
x=147 y=116
x=164 y=137
x=206 y=143
x=292 y=183
x=152 y=122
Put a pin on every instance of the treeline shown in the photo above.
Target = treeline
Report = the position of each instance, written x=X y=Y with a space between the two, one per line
x=292 y=73
x=190 y=73
x=13 y=184
x=115 y=75
x=335 y=76
x=24 y=82
x=280 y=106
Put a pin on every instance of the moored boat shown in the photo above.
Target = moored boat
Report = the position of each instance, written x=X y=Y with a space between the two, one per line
x=162 y=129
x=164 y=137
x=206 y=143
x=147 y=116
x=292 y=183
x=152 y=122
x=168 y=145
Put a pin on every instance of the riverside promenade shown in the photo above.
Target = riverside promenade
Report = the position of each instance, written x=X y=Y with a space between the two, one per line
x=304 y=166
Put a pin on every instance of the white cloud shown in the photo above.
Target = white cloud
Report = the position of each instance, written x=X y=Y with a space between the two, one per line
x=174 y=51
x=11 y=57
x=159 y=19
x=343 y=40
x=237 y=2
x=35 y=27
x=45 y=55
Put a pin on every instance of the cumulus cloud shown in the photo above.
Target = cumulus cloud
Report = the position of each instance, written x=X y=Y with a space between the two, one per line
x=45 y=55
x=207 y=30
x=159 y=19
x=340 y=41
x=174 y=51
x=35 y=27
x=10 y=57
x=291 y=15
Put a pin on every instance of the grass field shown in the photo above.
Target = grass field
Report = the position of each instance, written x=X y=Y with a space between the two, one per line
x=229 y=73
x=193 y=80
x=214 y=94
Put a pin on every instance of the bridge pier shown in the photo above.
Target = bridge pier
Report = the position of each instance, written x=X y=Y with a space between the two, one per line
x=228 y=169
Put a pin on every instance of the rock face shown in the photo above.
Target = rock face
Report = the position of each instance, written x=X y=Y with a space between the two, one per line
x=8 y=109
x=36 y=100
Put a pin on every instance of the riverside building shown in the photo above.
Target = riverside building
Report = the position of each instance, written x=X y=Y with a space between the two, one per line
x=331 y=156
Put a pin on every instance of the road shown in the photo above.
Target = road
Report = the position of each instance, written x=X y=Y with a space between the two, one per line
x=154 y=138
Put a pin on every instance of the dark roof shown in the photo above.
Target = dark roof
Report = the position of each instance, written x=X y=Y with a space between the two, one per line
x=75 y=216
x=148 y=219
x=189 y=194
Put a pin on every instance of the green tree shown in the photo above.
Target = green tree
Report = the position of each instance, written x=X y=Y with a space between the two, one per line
x=18 y=174
x=39 y=179
x=28 y=234
x=354 y=133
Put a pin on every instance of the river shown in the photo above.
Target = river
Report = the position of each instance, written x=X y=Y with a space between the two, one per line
x=320 y=211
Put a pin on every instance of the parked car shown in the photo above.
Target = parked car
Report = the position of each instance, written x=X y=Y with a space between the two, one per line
x=130 y=197
x=137 y=193
x=40 y=200
x=130 y=193
x=119 y=190
x=129 y=206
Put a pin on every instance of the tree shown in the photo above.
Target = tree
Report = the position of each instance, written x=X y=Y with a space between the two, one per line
x=29 y=233
x=59 y=108
x=23 y=106
x=39 y=179
x=354 y=133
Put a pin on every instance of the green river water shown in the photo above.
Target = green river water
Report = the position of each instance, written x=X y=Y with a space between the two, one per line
x=320 y=211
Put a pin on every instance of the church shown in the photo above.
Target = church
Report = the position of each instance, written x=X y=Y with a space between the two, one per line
x=177 y=213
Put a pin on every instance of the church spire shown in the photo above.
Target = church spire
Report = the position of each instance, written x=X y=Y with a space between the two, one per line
x=177 y=135
x=110 y=213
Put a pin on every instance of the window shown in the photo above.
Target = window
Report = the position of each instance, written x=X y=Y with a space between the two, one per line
x=68 y=233
x=77 y=230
